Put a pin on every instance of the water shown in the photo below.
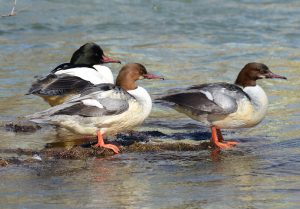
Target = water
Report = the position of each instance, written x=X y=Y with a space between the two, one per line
x=188 y=42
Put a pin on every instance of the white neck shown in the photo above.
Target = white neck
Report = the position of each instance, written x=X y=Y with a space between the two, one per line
x=258 y=98
x=143 y=98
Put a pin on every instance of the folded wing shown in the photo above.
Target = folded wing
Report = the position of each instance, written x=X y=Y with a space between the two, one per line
x=96 y=104
x=216 y=98
x=58 y=85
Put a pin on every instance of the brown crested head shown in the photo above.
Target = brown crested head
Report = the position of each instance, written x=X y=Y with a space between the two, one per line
x=254 y=71
x=132 y=72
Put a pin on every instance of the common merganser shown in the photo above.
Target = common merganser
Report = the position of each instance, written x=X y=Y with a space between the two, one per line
x=104 y=109
x=85 y=69
x=223 y=105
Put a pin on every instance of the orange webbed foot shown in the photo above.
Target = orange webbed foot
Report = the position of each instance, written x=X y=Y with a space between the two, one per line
x=218 y=140
x=232 y=143
x=223 y=145
x=109 y=146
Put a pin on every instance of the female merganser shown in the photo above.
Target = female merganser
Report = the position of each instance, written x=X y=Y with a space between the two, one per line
x=223 y=105
x=67 y=79
x=105 y=108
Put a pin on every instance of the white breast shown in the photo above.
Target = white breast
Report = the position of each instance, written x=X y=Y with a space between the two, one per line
x=259 y=101
x=143 y=99
x=102 y=74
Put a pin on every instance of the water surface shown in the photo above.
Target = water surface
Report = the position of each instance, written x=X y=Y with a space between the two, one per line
x=189 y=42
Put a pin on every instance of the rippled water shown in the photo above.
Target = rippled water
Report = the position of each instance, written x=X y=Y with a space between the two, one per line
x=189 y=42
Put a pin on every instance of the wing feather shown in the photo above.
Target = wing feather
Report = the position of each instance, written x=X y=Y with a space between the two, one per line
x=196 y=102
x=54 y=85
x=95 y=104
x=215 y=98
x=109 y=107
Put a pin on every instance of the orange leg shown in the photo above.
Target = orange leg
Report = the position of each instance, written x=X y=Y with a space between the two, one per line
x=221 y=139
x=219 y=142
x=102 y=144
x=220 y=136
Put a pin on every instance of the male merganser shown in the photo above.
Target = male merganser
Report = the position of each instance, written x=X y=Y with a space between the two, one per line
x=223 y=105
x=67 y=79
x=105 y=108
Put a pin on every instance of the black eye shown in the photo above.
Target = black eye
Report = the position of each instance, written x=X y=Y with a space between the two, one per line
x=263 y=70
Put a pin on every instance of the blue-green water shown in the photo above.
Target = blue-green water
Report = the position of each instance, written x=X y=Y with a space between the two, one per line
x=188 y=42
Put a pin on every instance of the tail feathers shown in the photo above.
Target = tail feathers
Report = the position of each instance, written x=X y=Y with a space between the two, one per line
x=163 y=101
x=60 y=85
x=38 y=86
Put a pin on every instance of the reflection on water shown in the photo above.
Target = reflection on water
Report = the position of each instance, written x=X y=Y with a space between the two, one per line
x=188 y=42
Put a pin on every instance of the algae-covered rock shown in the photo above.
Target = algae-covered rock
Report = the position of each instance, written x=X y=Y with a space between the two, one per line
x=179 y=146
x=81 y=153
x=75 y=153
x=127 y=142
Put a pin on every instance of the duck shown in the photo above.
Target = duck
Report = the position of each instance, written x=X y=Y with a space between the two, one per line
x=225 y=105
x=104 y=109
x=68 y=79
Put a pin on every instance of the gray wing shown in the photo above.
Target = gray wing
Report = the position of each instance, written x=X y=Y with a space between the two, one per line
x=217 y=98
x=228 y=89
x=96 y=104
x=196 y=102
x=53 y=85
x=95 y=108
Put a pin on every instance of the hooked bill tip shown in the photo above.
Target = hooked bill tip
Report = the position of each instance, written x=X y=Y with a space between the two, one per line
x=152 y=76
x=273 y=75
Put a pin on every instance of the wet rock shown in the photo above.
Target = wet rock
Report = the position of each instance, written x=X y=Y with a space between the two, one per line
x=21 y=126
x=14 y=161
x=127 y=142
x=75 y=153
x=140 y=136
x=155 y=147
x=81 y=153
x=18 y=151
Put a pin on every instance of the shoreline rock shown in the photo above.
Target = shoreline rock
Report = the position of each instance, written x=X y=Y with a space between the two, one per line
x=81 y=153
